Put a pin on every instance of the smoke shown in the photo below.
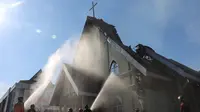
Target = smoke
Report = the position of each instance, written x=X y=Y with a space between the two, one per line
x=63 y=55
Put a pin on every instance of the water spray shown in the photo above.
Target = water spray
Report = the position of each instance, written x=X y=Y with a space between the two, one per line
x=64 y=54
x=113 y=85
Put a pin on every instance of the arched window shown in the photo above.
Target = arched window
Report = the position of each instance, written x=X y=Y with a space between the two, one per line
x=114 y=68
x=118 y=104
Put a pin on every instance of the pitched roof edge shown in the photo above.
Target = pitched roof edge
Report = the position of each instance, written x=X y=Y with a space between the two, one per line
x=65 y=69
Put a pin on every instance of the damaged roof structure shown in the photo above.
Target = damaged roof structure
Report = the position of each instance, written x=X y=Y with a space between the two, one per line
x=154 y=65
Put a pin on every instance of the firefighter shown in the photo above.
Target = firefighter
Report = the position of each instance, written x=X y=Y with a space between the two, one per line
x=184 y=107
x=32 y=108
x=87 y=109
x=19 y=106
x=140 y=50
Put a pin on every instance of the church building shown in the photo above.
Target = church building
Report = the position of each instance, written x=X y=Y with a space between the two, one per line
x=143 y=80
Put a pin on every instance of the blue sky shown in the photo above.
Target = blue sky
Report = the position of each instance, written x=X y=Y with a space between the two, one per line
x=171 y=27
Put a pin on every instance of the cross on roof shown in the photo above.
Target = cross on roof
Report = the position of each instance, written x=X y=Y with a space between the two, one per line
x=93 y=5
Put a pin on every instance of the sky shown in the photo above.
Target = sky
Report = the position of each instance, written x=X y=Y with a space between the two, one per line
x=32 y=30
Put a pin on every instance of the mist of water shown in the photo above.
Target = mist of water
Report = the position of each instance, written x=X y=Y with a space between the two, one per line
x=112 y=87
x=86 y=62
x=80 y=54
x=113 y=90
x=89 y=54
x=63 y=55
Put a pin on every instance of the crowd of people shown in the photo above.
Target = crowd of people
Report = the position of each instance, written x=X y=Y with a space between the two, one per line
x=87 y=109
x=19 y=106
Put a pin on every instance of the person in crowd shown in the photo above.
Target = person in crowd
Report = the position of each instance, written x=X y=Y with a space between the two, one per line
x=184 y=107
x=32 y=108
x=80 y=110
x=19 y=106
x=140 y=50
x=87 y=109
x=70 y=110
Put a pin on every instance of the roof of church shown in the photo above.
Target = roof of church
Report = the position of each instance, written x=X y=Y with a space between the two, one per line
x=59 y=88
x=32 y=79
x=156 y=66
x=89 y=79
x=110 y=29
x=185 y=68
x=81 y=81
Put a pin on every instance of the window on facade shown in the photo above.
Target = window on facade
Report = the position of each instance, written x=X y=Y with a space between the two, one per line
x=118 y=105
x=114 y=68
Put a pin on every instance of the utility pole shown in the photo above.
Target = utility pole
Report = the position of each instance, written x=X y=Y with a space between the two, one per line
x=93 y=5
